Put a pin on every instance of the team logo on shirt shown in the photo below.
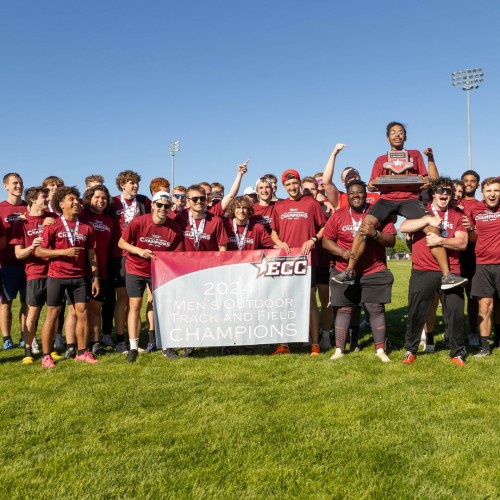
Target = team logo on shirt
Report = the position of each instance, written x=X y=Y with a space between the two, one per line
x=294 y=214
x=154 y=240
x=11 y=218
x=79 y=237
x=295 y=265
x=190 y=234
x=248 y=241
x=488 y=216
x=37 y=231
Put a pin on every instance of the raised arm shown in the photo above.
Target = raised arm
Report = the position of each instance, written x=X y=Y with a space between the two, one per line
x=242 y=170
x=331 y=191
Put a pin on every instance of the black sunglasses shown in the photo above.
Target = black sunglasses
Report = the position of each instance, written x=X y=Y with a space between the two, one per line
x=166 y=206
x=196 y=199
x=443 y=191
x=180 y=196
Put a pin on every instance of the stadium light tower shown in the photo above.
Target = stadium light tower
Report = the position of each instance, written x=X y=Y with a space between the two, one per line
x=468 y=79
x=174 y=148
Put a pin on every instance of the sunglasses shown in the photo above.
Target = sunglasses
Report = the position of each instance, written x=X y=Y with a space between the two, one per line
x=166 y=206
x=196 y=199
x=180 y=196
x=443 y=191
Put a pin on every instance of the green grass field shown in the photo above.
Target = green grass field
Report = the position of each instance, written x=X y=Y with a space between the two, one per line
x=253 y=426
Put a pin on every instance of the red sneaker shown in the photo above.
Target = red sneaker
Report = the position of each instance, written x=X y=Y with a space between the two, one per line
x=409 y=358
x=86 y=357
x=48 y=362
x=315 y=350
x=281 y=349
x=458 y=360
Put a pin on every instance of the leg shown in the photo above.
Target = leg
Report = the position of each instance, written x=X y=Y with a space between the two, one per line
x=439 y=253
x=453 y=309
x=49 y=329
x=95 y=320
x=82 y=325
x=485 y=310
x=6 y=321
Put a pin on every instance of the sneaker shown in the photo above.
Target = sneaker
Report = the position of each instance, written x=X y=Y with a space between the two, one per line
x=107 y=341
x=315 y=350
x=429 y=348
x=8 y=345
x=364 y=325
x=337 y=354
x=325 y=342
x=458 y=360
x=409 y=358
x=121 y=348
x=59 y=344
x=48 y=362
x=354 y=347
x=151 y=347
x=483 y=353
x=452 y=280
x=70 y=353
x=344 y=278
x=22 y=344
x=35 y=348
x=382 y=356
x=86 y=357
x=55 y=356
x=97 y=350
x=170 y=353
x=132 y=355
x=281 y=349
x=28 y=360
x=188 y=352
x=474 y=340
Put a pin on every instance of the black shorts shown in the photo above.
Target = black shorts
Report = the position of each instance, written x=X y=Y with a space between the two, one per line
x=136 y=285
x=322 y=275
x=376 y=288
x=409 y=209
x=467 y=265
x=76 y=288
x=36 y=292
x=104 y=292
x=486 y=281
x=13 y=283
x=118 y=272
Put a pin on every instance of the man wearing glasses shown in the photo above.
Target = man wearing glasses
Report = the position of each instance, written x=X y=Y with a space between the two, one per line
x=178 y=201
x=142 y=238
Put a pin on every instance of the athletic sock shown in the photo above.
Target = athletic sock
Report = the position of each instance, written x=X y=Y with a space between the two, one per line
x=72 y=346
x=81 y=351
x=485 y=343
x=46 y=354
x=134 y=344
x=27 y=352
x=120 y=337
x=8 y=337
x=152 y=336
x=430 y=338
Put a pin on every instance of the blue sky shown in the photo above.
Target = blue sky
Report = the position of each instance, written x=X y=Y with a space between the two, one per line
x=102 y=86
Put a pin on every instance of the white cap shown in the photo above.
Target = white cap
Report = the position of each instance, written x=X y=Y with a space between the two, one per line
x=249 y=191
x=263 y=179
x=161 y=195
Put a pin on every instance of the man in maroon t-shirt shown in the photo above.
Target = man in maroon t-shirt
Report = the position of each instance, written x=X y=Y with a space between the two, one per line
x=26 y=237
x=13 y=277
x=264 y=206
x=373 y=281
x=127 y=205
x=141 y=239
x=70 y=245
x=298 y=222
x=486 y=281
x=425 y=277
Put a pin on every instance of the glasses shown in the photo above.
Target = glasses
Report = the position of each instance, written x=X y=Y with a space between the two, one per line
x=397 y=132
x=196 y=199
x=180 y=196
x=166 y=206
x=443 y=191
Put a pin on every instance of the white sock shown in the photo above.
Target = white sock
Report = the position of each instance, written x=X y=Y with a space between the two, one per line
x=134 y=344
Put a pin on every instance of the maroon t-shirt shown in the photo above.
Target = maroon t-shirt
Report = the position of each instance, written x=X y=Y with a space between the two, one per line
x=255 y=238
x=23 y=233
x=103 y=232
x=264 y=214
x=488 y=233
x=296 y=221
x=142 y=232
x=421 y=256
x=118 y=216
x=418 y=168
x=216 y=209
x=9 y=214
x=55 y=238
x=214 y=234
x=340 y=228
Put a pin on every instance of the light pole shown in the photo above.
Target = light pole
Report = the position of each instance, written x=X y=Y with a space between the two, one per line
x=174 y=147
x=468 y=79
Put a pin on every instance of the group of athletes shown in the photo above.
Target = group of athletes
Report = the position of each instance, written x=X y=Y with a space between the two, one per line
x=88 y=259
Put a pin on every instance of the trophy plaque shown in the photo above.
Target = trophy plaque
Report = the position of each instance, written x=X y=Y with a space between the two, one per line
x=398 y=163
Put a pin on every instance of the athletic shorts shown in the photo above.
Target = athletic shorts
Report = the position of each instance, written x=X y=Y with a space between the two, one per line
x=118 y=272
x=136 y=285
x=486 y=281
x=409 y=209
x=77 y=289
x=322 y=276
x=13 y=283
x=36 y=292
x=104 y=291
x=467 y=266
x=376 y=288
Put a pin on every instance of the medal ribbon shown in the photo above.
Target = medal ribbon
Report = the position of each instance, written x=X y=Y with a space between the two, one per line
x=356 y=225
x=197 y=231
x=444 y=223
x=240 y=242
x=71 y=236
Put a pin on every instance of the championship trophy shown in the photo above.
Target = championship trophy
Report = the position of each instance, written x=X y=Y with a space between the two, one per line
x=398 y=163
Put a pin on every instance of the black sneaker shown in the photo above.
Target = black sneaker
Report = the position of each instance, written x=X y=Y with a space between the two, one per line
x=188 y=351
x=132 y=355
x=344 y=278
x=170 y=353
x=70 y=353
x=452 y=280
x=483 y=353
x=97 y=350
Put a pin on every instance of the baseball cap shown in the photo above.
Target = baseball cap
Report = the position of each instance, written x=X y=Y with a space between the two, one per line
x=352 y=174
x=249 y=191
x=161 y=195
x=290 y=174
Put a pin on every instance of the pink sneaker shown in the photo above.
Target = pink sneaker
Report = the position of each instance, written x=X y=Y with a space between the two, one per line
x=86 y=357
x=48 y=362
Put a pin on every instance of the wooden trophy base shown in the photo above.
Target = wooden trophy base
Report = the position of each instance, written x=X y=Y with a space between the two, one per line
x=402 y=182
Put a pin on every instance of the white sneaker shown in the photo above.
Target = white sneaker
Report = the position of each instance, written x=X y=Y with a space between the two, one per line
x=337 y=354
x=35 y=348
x=107 y=341
x=382 y=355
x=59 y=344
x=325 y=343
x=474 y=340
